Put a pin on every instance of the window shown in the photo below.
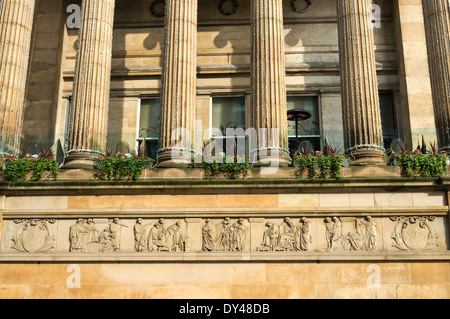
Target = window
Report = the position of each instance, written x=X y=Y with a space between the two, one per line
x=388 y=118
x=309 y=133
x=227 y=113
x=149 y=125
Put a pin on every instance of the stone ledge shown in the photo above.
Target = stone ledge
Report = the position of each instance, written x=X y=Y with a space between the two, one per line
x=443 y=256
x=224 y=212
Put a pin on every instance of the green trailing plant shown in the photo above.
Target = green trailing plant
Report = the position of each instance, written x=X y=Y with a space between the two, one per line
x=231 y=167
x=16 y=169
x=123 y=166
x=330 y=166
x=418 y=164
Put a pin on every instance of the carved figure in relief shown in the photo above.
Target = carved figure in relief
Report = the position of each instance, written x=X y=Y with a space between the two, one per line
x=287 y=231
x=78 y=236
x=162 y=239
x=35 y=236
x=270 y=237
x=175 y=240
x=302 y=236
x=140 y=240
x=208 y=242
x=237 y=235
x=368 y=233
x=223 y=236
x=109 y=239
x=333 y=232
x=92 y=237
x=287 y=236
x=83 y=236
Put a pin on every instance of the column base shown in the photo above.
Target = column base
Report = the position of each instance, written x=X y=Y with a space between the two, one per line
x=273 y=158
x=80 y=160
x=174 y=159
x=368 y=156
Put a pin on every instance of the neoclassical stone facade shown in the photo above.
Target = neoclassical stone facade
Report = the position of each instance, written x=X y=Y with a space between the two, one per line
x=89 y=78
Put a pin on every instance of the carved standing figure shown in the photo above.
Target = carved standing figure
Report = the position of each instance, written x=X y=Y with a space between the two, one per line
x=287 y=230
x=78 y=236
x=302 y=236
x=333 y=232
x=270 y=237
x=237 y=235
x=140 y=241
x=369 y=235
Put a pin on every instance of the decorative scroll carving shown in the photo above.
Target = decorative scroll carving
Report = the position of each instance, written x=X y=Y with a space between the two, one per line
x=364 y=237
x=225 y=236
x=35 y=236
x=413 y=233
x=158 y=8
x=228 y=7
x=298 y=8
x=165 y=239
x=287 y=236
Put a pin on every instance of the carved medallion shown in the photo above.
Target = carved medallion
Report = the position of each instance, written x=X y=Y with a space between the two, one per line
x=300 y=6
x=158 y=8
x=35 y=236
x=228 y=7
x=413 y=233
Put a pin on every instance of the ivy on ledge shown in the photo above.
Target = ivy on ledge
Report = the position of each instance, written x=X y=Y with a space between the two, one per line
x=417 y=164
x=123 y=166
x=16 y=170
x=329 y=166
x=215 y=165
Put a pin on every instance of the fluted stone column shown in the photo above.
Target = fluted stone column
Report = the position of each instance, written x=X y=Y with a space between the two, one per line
x=179 y=84
x=91 y=84
x=360 y=102
x=437 y=27
x=268 y=81
x=16 y=23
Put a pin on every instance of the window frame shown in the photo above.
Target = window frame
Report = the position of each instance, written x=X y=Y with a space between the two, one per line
x=138 y=121
x=319 y=111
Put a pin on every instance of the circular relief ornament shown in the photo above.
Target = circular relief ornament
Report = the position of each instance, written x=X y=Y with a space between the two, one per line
x=158 y=8
x=228 y=7
x=300 y=8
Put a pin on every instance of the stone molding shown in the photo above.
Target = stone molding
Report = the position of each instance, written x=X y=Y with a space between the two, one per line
x=242 y=237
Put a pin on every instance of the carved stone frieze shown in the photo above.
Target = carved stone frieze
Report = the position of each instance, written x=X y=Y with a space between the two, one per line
x=338 y=234
x=287 y=236
x=364 y=238
x=413 y=233
x=84 y=236
x=160 y=237
x=333 y=233
x=34 y=236
x=224 y=236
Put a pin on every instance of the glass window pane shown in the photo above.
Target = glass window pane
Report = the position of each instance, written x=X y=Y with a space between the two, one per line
x=228 y=112
x=149 y=118
x=388 y=118
x=310 y=126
